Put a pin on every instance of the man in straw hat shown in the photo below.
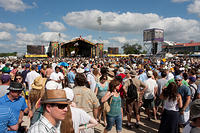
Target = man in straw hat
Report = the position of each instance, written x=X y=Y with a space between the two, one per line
x=15 y=101
x=194 y=126
x=55 y=104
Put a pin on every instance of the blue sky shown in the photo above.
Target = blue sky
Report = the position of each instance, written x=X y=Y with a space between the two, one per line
x=37 y=22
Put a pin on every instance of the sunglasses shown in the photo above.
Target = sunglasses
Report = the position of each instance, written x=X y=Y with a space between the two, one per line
x=18 y=78
x=60 y=106
x=17 y=91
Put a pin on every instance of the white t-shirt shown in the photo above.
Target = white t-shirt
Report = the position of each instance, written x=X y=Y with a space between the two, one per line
x=31 y=76
x=57 y=76
x=151 y=84
x=79 y=117
x=91 y=79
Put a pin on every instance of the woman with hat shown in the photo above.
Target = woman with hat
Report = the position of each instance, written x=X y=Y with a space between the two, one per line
x=37 y=91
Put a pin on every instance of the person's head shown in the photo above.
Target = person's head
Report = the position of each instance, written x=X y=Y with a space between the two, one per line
x=164 y=74
x=103 y=78
x=57 y=69
x=149 y=74
x=113 y=85
x=80 y=79
x=192 y=80
x=33 y=67
x=185 y=76
x=171 y=91
x=5 y=79
x=155 y=74
x=195 y=111
x=178 y=80
x=95 y=71
x=140 y=71
x=27 y=66
x=5 y=69
x=15 y=90
x=55 y=104
x=104 y=70
x=18 y=78
x=192 y=72
x=133 y=73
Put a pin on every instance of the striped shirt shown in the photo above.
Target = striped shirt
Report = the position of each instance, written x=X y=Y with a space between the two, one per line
x=7 y=118
x=43 y=126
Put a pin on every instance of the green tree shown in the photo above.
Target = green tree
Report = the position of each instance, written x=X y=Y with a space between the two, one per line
x=132 y=49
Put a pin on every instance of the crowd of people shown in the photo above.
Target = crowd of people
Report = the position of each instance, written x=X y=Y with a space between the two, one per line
x=72 y=95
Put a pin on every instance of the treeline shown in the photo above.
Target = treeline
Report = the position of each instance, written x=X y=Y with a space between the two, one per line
x=8 y=54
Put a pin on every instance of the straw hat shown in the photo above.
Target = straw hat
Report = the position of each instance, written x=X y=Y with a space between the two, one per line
x=55 y=96
x=39 y=83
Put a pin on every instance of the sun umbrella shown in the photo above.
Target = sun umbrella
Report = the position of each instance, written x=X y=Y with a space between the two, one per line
x=63 y=64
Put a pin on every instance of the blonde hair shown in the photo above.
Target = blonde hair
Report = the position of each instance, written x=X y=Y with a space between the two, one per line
x=67 y=124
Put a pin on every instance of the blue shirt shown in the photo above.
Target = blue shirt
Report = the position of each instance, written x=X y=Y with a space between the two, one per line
x=71 y=77
x=7 y=118
x=184 y=91
x=17 y=105
x=143 y=77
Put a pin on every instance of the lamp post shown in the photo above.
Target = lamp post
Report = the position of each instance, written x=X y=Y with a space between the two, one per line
x=59 y=44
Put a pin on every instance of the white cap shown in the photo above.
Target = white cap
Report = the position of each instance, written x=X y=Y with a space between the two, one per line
x=80 y=70
x=51 y=85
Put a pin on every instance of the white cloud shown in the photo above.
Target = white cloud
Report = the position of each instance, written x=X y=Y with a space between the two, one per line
x=179 y=1
x=26 y=37
x=5 y=36
x=55 y=26
x=194 y=7
x=120 y=39
x=175 y=28
x=111 y=22
x=10 y=26
x=14 y=5
x=52 y=36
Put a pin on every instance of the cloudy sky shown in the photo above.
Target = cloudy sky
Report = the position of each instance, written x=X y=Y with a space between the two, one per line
x=37 y=22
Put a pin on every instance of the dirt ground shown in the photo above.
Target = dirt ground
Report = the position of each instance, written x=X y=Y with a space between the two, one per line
x=145 y=126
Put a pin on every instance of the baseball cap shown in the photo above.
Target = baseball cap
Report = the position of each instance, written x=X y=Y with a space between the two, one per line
x=5 y=78
x=193 y=79
x=27 y=65
x=179 y=77
x=149 y=73
x=6 y=69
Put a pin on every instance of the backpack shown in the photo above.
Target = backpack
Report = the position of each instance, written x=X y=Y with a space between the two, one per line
x=193 y=92
x=132 y=91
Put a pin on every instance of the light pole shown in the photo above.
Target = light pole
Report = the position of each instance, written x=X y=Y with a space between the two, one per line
x=59 y=44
